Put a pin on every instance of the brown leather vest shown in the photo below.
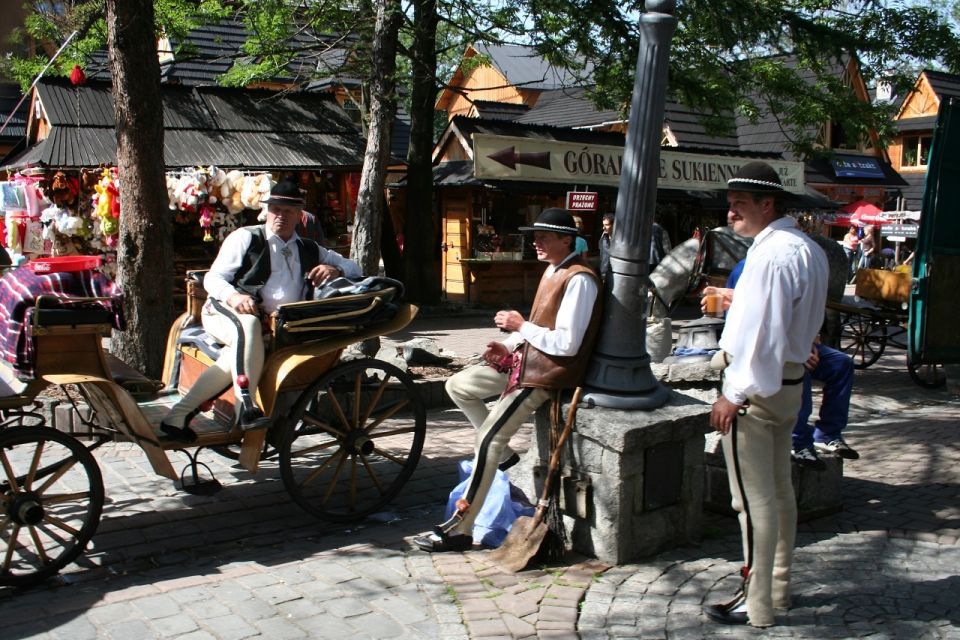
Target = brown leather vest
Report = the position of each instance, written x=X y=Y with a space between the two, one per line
x=538 y=369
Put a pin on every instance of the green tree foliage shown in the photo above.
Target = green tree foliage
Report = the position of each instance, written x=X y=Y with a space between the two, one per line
x=741 y=56
x=49 y=23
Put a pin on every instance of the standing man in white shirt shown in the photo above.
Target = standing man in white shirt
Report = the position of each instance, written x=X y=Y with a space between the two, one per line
x=547 y=352
x=776 y=313
x=257 y=269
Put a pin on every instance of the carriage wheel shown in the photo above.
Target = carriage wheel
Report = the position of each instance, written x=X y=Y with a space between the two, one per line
x=52 y=497
x=353 y=440
x=929 y=376
x=862 y=339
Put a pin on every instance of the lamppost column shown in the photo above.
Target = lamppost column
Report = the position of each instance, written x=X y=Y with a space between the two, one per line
x=619 y=375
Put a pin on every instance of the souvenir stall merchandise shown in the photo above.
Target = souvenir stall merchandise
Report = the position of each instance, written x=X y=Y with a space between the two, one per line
x=212 y=199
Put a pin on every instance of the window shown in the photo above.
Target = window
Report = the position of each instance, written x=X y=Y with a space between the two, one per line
x=915 y=151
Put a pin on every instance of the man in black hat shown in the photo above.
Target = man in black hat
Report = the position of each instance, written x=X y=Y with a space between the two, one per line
x=775 y=314
x=257 y=269
x=547 y=352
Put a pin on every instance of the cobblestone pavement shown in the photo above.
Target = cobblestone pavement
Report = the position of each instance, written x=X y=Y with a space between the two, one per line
x=248 y=563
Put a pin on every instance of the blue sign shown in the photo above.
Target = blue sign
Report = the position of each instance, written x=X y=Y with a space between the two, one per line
x=857 y=167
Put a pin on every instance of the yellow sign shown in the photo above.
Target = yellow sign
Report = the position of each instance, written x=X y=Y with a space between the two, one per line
x=530 y=159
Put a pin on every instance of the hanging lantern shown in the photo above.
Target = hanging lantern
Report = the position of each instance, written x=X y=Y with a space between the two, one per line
x=77 y=76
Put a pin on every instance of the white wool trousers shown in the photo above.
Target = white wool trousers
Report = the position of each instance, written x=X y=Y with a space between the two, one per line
x=469 y=389
x=757 y=454
x=223 y=372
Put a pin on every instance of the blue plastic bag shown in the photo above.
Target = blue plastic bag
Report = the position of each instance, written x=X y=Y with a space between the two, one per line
x=504 y=504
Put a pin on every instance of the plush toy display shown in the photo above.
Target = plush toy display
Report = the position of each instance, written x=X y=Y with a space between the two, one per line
x=62 y=190
x=107 y=207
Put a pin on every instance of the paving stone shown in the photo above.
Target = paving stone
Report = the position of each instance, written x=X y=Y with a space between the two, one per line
x=229 y=627
x=347 y=607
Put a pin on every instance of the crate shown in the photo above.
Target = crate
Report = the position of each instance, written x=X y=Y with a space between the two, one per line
x=879 y=284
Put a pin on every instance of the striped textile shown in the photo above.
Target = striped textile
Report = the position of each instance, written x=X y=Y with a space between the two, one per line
x=19 y=289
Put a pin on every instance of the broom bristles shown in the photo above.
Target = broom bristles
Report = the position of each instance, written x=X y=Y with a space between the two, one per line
x=555 y=542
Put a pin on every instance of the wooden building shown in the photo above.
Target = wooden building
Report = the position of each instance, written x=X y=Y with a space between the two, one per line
x=915 y=121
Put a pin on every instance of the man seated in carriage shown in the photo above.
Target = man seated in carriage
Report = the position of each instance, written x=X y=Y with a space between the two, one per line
x=258 y=269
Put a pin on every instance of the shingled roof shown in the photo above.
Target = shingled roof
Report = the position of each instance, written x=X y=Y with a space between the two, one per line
x=16 y=129
x=210 y=50
x=202 y=125
x=525 y=68
x=945 y=85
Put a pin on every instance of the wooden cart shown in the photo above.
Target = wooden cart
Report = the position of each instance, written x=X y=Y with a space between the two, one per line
x=877 y=319
x=347 y=435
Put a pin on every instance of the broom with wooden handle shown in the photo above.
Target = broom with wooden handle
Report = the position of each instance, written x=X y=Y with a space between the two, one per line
x=527 y=534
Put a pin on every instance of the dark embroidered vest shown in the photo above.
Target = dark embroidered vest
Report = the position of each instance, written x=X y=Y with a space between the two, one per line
x=538 y=369
x=255 y=268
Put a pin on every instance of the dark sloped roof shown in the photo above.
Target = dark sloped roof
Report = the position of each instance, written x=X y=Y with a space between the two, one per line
x=228 y=127
x=767 y=133
x=499 y=110
x=572 y=107
x=16 y=129
x=924 y=123
x=211 y=50
x=468 y=126
x=569 y=107
x=944 y=84
x=688 y=129
x=525 y=68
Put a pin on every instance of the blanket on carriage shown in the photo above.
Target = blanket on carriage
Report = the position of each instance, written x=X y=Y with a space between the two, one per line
x=19 y=291
x=341 y=305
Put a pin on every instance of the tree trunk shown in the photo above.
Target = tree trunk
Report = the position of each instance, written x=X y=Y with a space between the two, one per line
x=421 y=242
x=365 y=248
x=145 y=248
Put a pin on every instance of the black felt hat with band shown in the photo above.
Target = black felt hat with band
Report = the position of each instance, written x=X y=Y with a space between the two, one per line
x=554 y=219
x=756 y=177
x=285 y=192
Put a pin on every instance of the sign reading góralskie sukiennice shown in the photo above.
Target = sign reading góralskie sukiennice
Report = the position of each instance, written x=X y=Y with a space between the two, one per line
x=511 y=158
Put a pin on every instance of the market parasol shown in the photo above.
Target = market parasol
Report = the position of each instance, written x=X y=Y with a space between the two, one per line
x=862 y=213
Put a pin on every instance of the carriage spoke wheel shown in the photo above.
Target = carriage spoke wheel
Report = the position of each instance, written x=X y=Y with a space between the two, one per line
x=862 y=339
x=929 y=376
x=353 y=440
x=52 y=496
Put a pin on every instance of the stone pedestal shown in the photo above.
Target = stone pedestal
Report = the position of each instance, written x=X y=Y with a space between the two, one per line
x=818 y=492
x=632 y=481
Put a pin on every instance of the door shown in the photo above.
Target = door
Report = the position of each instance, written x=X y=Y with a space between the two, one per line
x=456 y=223
x=934 y=303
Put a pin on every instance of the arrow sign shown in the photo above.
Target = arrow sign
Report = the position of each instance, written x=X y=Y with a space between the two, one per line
x=509 y=157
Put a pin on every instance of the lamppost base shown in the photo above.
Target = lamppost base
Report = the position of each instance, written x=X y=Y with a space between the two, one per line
x=646 y=400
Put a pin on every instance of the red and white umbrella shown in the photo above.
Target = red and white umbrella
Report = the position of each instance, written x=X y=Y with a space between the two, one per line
x=862 y=213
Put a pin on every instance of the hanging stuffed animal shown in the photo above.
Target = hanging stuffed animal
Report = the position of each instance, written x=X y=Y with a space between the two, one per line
x=172 y=183
x=61 y=189
x=206 y=221
x=218 y=178
x=107 y=209
x=235 y=202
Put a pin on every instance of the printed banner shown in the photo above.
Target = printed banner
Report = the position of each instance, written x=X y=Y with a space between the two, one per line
x=512 y=158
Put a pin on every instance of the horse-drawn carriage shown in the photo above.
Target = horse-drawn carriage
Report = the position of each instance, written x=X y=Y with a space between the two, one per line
x=877 y=318
x=347 y=434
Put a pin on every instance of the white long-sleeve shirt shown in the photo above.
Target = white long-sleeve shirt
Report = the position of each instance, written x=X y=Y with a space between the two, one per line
x=573 y=317
x=285 y=283
x=777 y=310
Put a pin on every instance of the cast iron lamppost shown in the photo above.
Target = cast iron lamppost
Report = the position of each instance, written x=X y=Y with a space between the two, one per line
x=619 y=375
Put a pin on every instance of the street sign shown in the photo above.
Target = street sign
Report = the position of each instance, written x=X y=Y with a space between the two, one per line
x=902 y=230
x=582 y=200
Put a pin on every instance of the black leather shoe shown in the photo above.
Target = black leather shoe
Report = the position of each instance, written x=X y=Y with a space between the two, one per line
x=253 y=419
x=718 y=613
x=185 y=434
x=509 y=462
x=441 y=543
